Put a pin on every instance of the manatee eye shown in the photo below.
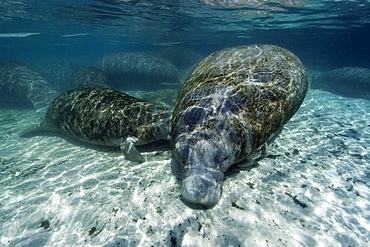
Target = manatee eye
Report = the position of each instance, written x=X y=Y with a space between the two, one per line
x=225 y=158
x=220 y=157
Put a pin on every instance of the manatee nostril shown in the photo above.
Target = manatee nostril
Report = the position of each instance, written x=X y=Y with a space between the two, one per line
x=198 y=193
x=200 y=189
x=197 y=188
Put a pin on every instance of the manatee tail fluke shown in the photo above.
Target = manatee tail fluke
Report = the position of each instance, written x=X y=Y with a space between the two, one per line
x=35 y=130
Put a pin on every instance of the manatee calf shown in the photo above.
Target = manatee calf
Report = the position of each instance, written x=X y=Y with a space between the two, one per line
x=230 y=105
x=21 y=83
x=106 y=117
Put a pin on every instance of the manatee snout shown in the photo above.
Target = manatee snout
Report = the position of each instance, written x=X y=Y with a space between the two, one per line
x=202 y=188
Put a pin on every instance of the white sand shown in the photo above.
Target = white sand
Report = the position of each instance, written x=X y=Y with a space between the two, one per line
x=313 y=189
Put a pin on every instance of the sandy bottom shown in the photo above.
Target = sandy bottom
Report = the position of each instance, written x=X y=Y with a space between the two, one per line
x=312 y=190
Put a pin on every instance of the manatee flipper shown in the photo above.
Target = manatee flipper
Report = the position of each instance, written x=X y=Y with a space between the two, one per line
x=254 y=157
x=128 y=148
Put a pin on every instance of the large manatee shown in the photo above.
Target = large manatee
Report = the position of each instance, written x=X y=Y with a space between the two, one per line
x=230 y=105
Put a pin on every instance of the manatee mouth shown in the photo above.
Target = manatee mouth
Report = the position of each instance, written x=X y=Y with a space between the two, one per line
x=201 y=189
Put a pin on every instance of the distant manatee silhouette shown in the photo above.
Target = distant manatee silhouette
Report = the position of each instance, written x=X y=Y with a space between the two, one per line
x=138 y=71
x=86 y=77
x=347 y=81
x=21 y=83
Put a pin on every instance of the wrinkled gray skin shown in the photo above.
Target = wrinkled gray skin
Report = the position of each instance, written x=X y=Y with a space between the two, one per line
x=230 y=105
